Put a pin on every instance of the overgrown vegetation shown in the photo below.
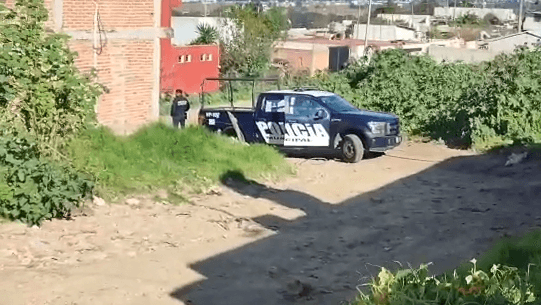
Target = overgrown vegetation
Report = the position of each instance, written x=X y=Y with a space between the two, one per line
x=469 y=19
x=44 y=102
x=510 y=273
x=481 y=105
x=41 y=90
x=33 y=189
x=161 y=157
x=469 y=26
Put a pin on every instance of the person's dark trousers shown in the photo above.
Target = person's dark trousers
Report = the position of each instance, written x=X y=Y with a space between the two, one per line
x=179 y=120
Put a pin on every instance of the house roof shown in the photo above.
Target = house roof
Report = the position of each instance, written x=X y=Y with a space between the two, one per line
x=535 y=34
x=344 y=42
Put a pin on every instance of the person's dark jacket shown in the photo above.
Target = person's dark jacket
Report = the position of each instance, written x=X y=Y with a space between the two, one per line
x=180 y=106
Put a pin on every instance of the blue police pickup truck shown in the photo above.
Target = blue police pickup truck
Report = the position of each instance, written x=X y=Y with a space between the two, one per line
x=307 y=119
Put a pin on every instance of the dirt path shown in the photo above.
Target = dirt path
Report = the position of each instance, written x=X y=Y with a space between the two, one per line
x=310 y=241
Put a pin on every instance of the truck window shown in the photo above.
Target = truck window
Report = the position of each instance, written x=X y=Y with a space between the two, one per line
x=337 y=103
x=303 y=106
x=274 y=103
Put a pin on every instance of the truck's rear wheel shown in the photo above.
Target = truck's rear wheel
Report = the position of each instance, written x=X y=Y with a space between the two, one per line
x=352 y=149
x=230 y=132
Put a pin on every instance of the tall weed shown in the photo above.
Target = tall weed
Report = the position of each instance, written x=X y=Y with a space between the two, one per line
x=157 y=156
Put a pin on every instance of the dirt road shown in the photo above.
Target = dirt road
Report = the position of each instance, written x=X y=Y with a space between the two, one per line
x=308 y=240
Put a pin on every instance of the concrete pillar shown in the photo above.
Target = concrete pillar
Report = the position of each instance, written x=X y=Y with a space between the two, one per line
x=58 y=14
x=155 y=107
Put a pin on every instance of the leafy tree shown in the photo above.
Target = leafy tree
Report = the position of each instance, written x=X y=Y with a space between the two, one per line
x=207 y=34
x=44 y=101
x=469 y=19
x=246 y=49
x=41 y=91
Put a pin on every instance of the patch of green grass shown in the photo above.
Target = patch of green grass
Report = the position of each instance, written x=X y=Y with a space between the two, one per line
x=523 y=253
x=183 y=162
x=488 y=144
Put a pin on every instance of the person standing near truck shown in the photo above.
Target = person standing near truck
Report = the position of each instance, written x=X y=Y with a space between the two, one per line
x=179 y=109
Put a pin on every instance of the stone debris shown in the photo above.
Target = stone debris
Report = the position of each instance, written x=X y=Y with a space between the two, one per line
x=295 y=287
x=516 y=158
x=376 y=200
x=98 y=201
x=132 y=201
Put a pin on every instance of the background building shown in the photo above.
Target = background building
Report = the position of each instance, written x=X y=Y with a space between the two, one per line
x=128 y=44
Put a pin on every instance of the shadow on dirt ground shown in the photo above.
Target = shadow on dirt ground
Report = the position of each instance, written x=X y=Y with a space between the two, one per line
x=447 y=214
x=325 y=154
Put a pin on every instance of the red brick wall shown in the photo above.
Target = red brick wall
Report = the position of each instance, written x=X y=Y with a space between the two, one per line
x=125 y=68
x=188 y=76
x=114 y=14
x=301 y=60
x=126 y=65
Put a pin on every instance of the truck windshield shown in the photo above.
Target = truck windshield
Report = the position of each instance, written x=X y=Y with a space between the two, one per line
x=337 y=103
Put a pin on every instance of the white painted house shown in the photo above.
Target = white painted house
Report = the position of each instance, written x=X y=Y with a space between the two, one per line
x=185 y=28
x=507 y=44
x=417 y=22
x=383 y=32
x=501 y=13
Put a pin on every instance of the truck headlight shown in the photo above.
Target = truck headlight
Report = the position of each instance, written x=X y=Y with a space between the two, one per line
x=378 y=128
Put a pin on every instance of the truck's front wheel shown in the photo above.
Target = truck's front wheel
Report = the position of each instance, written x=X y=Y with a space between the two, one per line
x=352 y=149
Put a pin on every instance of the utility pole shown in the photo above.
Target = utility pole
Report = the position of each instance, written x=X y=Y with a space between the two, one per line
x=204 y=8
x=95 y=38
x=359 y=13
x=367 y=26
x=428 y=14
x=520 y=17
x=412 y=13
x=454 y=12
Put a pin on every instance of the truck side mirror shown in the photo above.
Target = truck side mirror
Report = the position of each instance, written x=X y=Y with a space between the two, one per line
x=320 y=114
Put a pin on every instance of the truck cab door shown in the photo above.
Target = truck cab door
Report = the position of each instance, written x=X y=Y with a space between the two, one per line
x=307 y=123
x=270 y=118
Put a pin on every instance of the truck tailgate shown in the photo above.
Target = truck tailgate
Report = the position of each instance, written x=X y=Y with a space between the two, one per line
x=217 y=119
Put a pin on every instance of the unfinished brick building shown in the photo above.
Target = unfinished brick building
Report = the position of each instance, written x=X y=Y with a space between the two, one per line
x=120 y=39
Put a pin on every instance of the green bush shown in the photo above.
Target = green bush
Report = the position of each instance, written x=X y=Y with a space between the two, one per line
x=44 y=101
x=523 y=253
x=509 y=273
x=498 y=285
x=421 y=92
x=508 y=103
x=41 y=90
x=157 y=156
x=33 y=190
x=460 y=103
